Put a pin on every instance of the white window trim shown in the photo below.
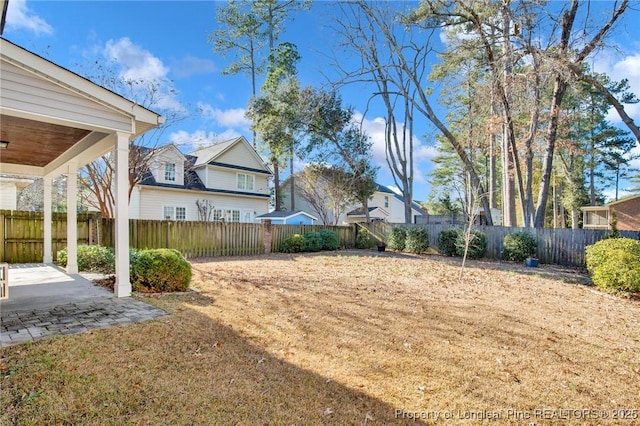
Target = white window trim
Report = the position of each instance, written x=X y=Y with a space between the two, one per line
x=175 y=207
x=246 y=175
x=175 y=171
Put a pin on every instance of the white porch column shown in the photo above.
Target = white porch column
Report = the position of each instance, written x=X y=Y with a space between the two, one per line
x=48 y=241
x=72 y=218
x=123 y=284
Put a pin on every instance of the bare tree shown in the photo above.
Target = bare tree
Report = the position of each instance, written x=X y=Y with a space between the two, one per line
x=99 y=176
x=329 y=190
x=395 y=56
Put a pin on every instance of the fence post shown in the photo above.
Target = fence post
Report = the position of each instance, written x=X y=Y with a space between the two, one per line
x=266 y=235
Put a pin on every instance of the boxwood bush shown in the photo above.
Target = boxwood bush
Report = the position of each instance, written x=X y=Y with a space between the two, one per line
x=477 y=244
x=517 y=246
x=329 y=239
x=91 y=258
x=293 y=243
x=312 y=241
x=447 y=241
x=397 y=238
x=614 y=264
x=160 y=270
x=417 y=240
x=364 y=240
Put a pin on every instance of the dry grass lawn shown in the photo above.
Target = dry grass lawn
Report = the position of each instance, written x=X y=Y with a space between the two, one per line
x=345 y=338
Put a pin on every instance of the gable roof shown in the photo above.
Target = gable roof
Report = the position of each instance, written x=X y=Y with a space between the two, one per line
x=623 y=200
x=415 y=206
x=360 y=211
x=611 y=203
x=285 y=215
x=210 y=154
x=192 y=181
x=168 y=147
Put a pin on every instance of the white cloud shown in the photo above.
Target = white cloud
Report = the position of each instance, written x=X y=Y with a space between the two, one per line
x=234 y=117
x=199 y=138
x=375 y=128
x=19 y=16
x=190 y=65
x=135 y=63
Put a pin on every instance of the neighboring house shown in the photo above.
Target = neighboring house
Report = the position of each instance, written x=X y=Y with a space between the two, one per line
x=226 y=181
x=626 y=211
x=387 y=206
x=10 y=187
x=376 y=214
x=384 y=205
x=296 y=217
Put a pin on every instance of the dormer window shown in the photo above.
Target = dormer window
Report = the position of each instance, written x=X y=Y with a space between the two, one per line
x=245 y=182
x=170 y=172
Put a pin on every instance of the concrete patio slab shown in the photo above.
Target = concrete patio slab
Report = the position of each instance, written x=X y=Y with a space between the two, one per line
x=45 y=301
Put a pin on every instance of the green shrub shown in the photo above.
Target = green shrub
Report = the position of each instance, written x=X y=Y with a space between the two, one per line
x=614 y=264
x=364 y=240
x=477 y=244
x=91 y=258
x=329 y=239
x=397 y=238
x=160 y=270
x=312 y=241
x=518 y=246
x=447 y=241
x=292 y=244
x=417 y=240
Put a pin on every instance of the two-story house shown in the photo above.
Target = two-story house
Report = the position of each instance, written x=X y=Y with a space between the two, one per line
x=226 y=181
x=384 y=205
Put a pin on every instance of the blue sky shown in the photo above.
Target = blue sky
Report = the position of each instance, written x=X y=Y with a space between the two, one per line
x=169 y=40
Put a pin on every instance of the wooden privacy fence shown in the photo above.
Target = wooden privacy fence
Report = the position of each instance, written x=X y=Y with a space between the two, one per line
x=192 y=239
x=201 y=239
x=560 y=246
x=346 y=234
x=22 y=234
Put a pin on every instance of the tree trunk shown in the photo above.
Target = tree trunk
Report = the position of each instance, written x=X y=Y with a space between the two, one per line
x=508 y=186
x=492 y=162
x=293 y=188
x=547 y=165
x=276 y=184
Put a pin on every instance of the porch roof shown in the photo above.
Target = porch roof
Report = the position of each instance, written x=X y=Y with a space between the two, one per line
x=50 y=115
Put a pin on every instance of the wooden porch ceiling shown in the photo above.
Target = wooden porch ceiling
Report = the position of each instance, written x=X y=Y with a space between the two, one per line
x=34 y=143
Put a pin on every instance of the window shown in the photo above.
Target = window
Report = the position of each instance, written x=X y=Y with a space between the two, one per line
x=217 y=214
x=232 y=215
x=245 y=182
x=170 y=172
x=386 y=201
x=181 y=213
x=168 y=213
x=174 y=213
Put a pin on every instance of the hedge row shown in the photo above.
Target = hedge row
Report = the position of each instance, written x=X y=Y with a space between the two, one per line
x=311 y=241
x=452 y=242
x=151 y=271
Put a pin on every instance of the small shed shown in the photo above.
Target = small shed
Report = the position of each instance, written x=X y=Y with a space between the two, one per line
x=296 y=217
